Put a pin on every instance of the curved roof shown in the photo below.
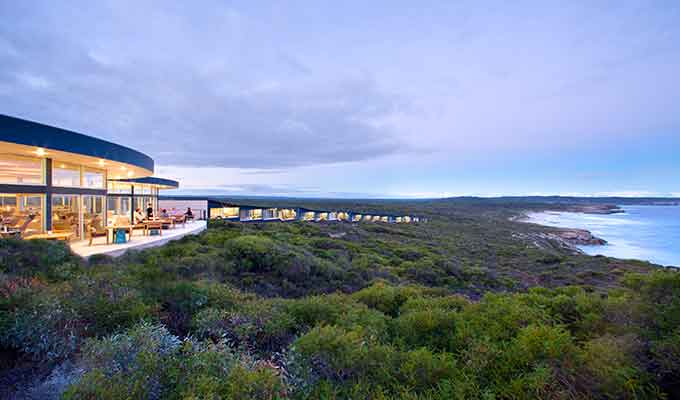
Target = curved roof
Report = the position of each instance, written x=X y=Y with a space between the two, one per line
x=152 y=180
x=21 y=131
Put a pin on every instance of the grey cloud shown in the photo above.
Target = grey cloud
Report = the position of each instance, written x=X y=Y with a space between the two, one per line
x=171 y=94
x=275 y=190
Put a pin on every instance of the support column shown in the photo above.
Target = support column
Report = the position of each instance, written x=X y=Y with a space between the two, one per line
x=48 y=194
x=132 y=204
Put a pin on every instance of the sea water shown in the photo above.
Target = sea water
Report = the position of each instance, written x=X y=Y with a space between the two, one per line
x=649 y=233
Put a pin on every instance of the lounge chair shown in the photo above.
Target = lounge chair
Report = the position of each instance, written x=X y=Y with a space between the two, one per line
x=22 y=229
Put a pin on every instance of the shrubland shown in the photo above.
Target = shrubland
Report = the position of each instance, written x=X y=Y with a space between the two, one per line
x=457 y=308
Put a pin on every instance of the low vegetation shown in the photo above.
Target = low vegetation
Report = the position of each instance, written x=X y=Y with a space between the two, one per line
x=457 y=308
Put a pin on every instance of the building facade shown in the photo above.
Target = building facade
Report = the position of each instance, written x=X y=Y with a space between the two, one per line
x=55 y=180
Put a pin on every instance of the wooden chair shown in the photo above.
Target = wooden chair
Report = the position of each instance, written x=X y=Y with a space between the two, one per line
x=95 y=229
x=180 y=219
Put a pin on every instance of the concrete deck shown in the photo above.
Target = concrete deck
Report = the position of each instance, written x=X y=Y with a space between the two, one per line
x=138 y=241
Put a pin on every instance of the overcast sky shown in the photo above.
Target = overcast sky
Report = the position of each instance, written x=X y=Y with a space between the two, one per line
x=362 y=98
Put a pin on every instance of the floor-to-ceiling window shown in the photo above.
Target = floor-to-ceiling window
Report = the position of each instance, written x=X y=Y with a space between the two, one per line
x=144 y=202
x=22 y=212
x=93 y=213
x=66 y=214
x=119 y=201
x=288 y=213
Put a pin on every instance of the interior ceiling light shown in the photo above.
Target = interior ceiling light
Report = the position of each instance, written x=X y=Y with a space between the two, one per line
x=40 y=152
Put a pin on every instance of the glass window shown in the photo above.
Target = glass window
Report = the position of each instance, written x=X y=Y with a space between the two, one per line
x=119 y=187
x=66 y=175
x=288 y=214
x=118 y=207
x=231 y=212
x=66 y=214
x=143 y=189
x=143 y=203
x=255 y=214
x=17 y=170
x=93 y=214
x=94 y=179
x=224 y=212
x=269 y=213
x=22 y=212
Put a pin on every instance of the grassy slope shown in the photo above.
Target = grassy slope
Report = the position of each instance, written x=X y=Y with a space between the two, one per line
x=414 y=314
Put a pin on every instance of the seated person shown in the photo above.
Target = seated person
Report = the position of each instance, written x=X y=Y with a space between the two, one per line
x=139 y=217
x=164 y=213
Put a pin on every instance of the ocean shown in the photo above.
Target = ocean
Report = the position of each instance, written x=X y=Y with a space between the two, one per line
x=649 y=233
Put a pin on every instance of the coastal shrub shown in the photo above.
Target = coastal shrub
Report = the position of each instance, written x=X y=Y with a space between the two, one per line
x=129 y=365
x=258 y=325
x=582 y=312
x=385 y=298
x=338 y=310
x=253 y=253
x=608 y=368
x=40 y=325
x=431 y=328
x=497 y=317
x=104 y=304
x=444 y=303
x=179 y=301
x=148 y=362
x=212 y=370
x=28 y=258
x=347 y=362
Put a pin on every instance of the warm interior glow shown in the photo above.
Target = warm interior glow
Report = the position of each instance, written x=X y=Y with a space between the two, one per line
x=40 y=152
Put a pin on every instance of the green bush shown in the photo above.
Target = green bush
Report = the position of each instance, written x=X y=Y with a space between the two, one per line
x=42 y=326
x=340 y=310
x=259 y=325
x=28 y=258
x=434 y=329
x=148 y=362
x=385 y=298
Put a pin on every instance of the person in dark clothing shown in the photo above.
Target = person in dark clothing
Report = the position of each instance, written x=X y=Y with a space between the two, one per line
x=189 y=214
x=149 y=211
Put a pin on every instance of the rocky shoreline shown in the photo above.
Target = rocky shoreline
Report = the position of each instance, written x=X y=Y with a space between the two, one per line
x=579 y=237
x=595 y=209
x=568 y=238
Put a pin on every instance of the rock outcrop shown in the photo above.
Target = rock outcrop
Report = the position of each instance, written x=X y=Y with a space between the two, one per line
x=580 y=237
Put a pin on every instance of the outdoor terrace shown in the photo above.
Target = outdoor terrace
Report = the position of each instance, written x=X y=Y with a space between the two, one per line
x=138 y=240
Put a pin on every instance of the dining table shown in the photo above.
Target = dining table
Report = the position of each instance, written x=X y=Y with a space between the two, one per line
x=112 y=229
